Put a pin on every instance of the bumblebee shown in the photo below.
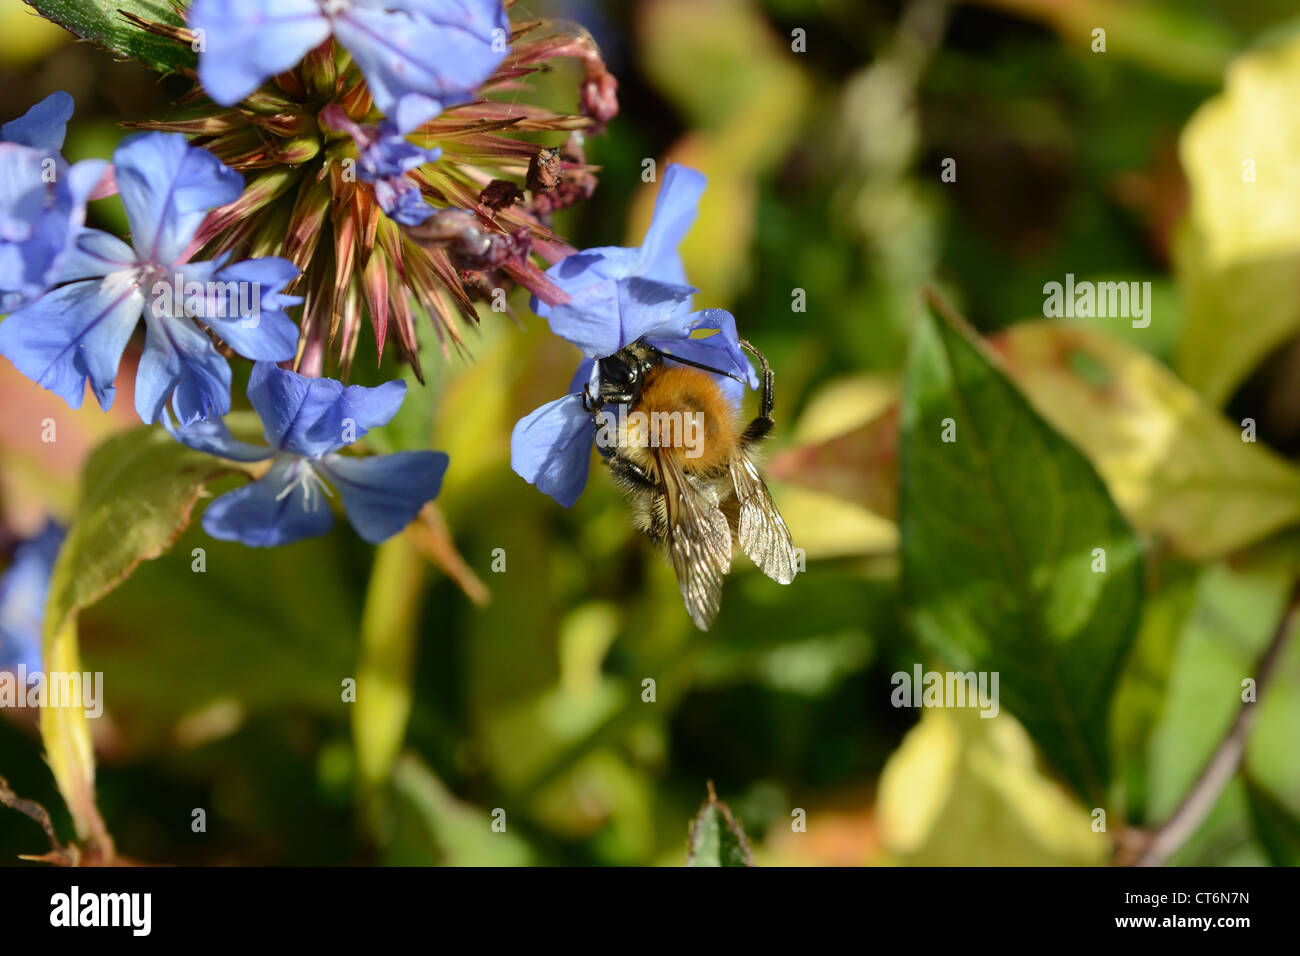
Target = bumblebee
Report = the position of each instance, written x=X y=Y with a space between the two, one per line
x=673 y=442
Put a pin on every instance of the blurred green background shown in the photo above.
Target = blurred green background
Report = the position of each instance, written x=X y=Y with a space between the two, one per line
x=823 y=126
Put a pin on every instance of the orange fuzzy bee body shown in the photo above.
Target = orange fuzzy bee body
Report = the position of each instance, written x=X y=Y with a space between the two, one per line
x=674 y=442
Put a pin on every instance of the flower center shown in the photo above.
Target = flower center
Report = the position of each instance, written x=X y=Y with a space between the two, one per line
x=305 y=476
x=151 y=273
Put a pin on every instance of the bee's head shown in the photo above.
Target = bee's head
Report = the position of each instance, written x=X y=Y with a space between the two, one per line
x=623 y=373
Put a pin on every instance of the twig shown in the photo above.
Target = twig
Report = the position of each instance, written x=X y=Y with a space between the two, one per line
x=1225 y=760
x=59 y=854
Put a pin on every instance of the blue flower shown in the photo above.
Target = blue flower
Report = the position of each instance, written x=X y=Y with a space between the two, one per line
x=42 y=200
x=385 y=157
x=78 y=331
x=305 y=422
x=434 y=52
x=23 y=590
x=618 y=296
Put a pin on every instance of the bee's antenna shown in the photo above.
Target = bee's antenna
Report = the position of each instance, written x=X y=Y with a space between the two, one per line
x=700 y=365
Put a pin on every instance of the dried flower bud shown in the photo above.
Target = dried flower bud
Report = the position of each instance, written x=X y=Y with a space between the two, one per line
x=599 y=96
x=500 y=193
x=545 y=170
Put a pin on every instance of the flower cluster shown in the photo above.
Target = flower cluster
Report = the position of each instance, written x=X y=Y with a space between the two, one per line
x=346 y=158
x=379 y=182
x=358 y=121
x=76 y=333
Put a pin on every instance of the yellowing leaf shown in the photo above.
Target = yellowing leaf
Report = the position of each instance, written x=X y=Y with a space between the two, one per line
x=963 y=790
x=1174 y=466
x=1241 y=152
x=1234 y=316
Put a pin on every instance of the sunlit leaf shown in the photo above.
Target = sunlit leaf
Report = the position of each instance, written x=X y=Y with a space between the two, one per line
x=1176 y=467
x=1015 y=560
x=1241 y=152
x=1234 y=315
x=962 y=790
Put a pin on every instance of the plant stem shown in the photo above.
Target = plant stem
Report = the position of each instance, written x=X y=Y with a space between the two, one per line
x=1223 y=763
x=69 y=749
x=389 y=624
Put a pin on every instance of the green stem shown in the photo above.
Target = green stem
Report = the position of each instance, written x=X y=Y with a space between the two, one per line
x=389 y=625
x=69 y=749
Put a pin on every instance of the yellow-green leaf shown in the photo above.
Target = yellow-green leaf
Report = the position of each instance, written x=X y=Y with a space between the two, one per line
x=1173 y=464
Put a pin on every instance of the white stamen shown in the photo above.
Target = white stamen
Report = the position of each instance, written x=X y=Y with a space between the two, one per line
x=311 y=482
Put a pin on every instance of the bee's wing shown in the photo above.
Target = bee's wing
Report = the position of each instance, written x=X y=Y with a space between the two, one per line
x=760 y=528
x=699 y=543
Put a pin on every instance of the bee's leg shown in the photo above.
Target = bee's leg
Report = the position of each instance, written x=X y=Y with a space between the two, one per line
x=631 y=474
x=759 y=428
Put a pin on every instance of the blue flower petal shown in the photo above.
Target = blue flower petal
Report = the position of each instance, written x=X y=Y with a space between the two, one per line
x=276 y=509
x=401 y=201
x=249 y=41
x=585 y=375
x=43 y=126
x=168 y=187
x=611 y=305
x=214 y=438
x=675 y=208
x=314 y=416
x=23 y=590
x=645 y=304
x=73 y=334
x=35 y=224
x=266 y=333
x=617 y=295
x=439 y=49
x=551 y=448
x=412 y=110
x=42 y=207
x=387 y=152
x=721 y=350
x=382 y=494
x=180 y=362
x=94 y=253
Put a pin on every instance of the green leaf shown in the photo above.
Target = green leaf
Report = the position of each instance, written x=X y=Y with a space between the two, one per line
x=1174 y=464
x=717 y=838
x=104 y=23
x=1277 y=828
x=1238 y=605
x=432 y=827
x=139 y=489
x=1001 y=529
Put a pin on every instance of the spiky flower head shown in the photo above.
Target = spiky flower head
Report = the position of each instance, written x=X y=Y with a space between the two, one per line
x=492 y=191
